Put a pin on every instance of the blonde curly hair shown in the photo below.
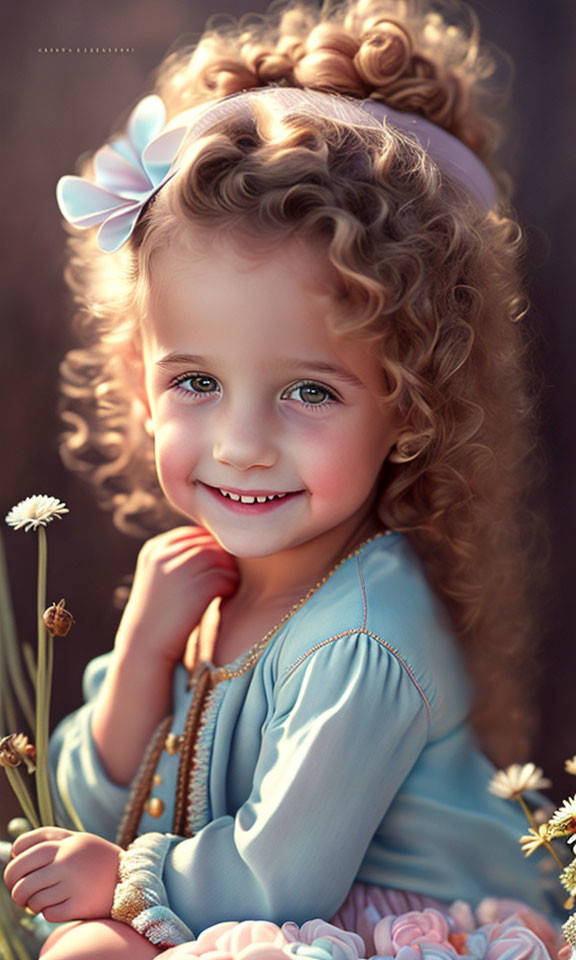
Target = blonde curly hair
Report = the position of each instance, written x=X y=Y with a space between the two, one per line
x=429 y=279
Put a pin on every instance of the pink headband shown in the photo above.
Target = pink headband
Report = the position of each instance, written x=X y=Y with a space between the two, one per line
x=132 y=168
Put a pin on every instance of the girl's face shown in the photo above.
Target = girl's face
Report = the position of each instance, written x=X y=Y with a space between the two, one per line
x=249 y=392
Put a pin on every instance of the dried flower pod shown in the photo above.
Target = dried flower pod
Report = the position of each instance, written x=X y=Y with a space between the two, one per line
x=16 y=749
x=57 y=619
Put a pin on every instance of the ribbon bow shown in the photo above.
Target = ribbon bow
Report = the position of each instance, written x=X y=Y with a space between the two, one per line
x=128 y=172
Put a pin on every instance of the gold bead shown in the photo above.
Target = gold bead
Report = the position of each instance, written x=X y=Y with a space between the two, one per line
x=172 y=743
x=154 y=806
x=157 y=779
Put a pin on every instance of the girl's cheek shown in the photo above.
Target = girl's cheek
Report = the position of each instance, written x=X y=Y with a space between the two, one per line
x=325 y=460
x=176 y=451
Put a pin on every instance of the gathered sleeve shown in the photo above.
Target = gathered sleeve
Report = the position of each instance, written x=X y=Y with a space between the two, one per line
x=347 y=725
x=84 y=796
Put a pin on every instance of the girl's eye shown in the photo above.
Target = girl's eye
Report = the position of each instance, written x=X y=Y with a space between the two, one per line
x=194 y=384
x=314 y=394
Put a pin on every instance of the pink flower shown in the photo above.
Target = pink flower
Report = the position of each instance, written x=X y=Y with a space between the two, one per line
x=315 y=929
x=463 y=917
x=383 y=937
x=514 y=940
x=496 y=910
x=231 y=940
x=417 y=926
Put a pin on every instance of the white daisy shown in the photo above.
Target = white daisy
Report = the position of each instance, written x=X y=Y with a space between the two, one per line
x=35 y=512
x=534 y=839
x=568 y=877
x=563 y=822
x=515 y=779
x=569 y=930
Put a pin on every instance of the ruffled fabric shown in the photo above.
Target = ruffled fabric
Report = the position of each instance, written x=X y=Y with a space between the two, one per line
x=496 y=930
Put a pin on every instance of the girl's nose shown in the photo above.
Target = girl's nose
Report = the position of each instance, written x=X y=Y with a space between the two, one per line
x=244 y=439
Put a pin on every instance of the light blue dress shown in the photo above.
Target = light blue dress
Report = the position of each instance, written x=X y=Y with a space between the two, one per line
x=337 y=752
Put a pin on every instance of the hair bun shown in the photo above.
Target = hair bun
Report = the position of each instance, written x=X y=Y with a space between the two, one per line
x=329 y=62
x=385 y=53
x=265 y=64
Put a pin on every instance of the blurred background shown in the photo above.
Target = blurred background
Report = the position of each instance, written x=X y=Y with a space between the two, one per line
x=55 y=106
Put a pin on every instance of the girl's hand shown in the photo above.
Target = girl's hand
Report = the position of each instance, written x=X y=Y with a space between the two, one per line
x=64 y=874
x=178 y=574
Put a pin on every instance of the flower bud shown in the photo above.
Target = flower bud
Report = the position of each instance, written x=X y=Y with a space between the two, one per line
x=57 y=619
x=16 y=749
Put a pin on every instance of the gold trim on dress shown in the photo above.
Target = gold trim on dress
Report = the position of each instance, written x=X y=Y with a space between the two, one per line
x=204 y=678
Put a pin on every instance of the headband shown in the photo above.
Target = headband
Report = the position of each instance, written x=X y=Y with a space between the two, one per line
x=131 y=169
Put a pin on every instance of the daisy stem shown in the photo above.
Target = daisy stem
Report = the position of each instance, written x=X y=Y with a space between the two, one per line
x=43 y=683
x=9 y=719
x=532 y=823
x=11 y=946
x=5 y=948
x=23 y=795
x=10 y=645
x=28 y=654
x=20 y=950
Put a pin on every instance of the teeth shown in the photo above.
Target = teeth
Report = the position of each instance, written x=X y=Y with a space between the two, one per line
x=233 y=496
x=245 y=499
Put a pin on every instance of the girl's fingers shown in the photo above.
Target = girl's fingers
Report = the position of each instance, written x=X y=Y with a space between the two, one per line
x=192 y=537
x=48 y=897
x=27 y=862
x=177 y=534
x=31 y=884
x=29 y=839
x=174 y=551
x=218 y=563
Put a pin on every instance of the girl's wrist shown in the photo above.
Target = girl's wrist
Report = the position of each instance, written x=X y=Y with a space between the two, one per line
x=133 y=652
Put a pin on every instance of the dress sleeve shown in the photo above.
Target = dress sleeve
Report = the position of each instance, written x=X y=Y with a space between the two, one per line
x=84 y=796
x=348 y=724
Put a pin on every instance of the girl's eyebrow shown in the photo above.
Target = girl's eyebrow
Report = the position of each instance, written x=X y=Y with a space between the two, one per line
x=284 y=363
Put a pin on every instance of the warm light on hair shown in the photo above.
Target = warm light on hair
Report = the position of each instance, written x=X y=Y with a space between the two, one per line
x=424 y=274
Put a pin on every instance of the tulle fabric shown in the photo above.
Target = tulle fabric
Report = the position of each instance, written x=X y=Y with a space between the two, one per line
x=385 y=924
x=367 y=903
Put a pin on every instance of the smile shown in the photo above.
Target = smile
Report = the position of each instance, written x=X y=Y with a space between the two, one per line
x=248 y=498
x=249 y=502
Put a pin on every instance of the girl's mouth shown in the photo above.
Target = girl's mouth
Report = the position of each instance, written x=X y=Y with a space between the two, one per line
x=238 y=506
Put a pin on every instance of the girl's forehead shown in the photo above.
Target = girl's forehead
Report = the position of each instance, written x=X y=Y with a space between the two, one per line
x=197 y=257
x=222 y=286
x=227 y=302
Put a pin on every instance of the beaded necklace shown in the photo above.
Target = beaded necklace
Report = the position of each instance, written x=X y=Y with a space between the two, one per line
x=247 y=659
x=204 y=679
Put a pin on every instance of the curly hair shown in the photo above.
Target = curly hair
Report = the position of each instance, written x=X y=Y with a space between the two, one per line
x=432 y=282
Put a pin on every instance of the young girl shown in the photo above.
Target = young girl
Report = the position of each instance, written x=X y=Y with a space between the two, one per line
x=301 y=366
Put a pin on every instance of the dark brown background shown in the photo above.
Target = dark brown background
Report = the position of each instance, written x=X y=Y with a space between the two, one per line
x=57 y=105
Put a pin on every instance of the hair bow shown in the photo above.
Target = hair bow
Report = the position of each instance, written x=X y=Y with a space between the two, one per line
x=128 y=172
